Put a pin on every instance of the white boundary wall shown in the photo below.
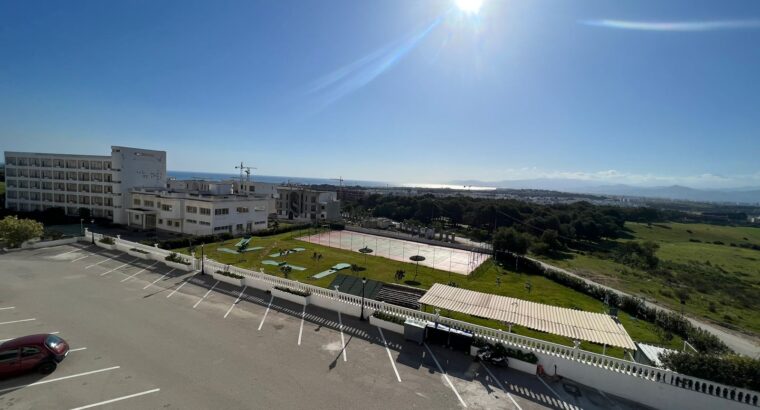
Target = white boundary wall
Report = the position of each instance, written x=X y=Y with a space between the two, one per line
x=652 y=386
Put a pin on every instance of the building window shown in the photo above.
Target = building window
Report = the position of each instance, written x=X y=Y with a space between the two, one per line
x=242 y=210
x=148 y=204
x=204 y=223
x=136 y=201
x=222 y=211
x=239 y=227
x=137 y=217
x=205 y=211
x=176 y=224
x=260 y=222
x=190 y=221
x=166 y=207
x=160 y=221
x=191 y=209
x=223 y=228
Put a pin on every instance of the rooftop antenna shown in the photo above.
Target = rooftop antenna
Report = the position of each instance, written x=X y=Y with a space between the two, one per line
x=247 y=171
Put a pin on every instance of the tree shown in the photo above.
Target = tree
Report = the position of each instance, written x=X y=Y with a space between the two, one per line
x=509 y=240
x=15 y=231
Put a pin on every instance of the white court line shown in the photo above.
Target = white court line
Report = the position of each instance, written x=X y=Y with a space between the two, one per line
x=182 y=284
x=236 y=302
x=165 y=275
x=118 y=267
x=6 y=308
x=80 y=258
x=204 y=296
x=267 y=311
x=445 y=376
x=501 y=386
x=89 y=406
x=58 y=379
x=342 y=339
x=17 y=321
x=139 y=271
x=300 y=331
x=77 y=349
x=96 y=264
x=389 y=355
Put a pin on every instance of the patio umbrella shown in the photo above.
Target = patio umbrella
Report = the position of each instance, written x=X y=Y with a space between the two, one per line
x=418 y=259
x=365 y=250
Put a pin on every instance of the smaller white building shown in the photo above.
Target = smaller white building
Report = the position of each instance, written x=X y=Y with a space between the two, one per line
x=307 y=204
x=196 y=208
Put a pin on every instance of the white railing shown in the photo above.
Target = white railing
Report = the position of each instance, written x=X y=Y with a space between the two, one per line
x=540 y=347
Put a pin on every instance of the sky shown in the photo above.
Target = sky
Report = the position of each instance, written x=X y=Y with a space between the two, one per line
x=625 y=91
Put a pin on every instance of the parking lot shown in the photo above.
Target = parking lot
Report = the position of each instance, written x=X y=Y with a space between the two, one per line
x=146 y=336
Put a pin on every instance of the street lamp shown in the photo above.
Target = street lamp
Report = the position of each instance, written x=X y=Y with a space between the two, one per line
x=81 y=226
x=92 y=222
x=361 y=315
x=203 y=267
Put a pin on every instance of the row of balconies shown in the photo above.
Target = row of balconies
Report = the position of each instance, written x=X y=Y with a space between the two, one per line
x=61 y=200
x=67 y=164
x=61 y=177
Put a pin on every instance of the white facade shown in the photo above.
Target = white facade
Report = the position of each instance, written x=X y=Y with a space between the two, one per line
x=195 y=212
x=306 y=204
x=39 y=181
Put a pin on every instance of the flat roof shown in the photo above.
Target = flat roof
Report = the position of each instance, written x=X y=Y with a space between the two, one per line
x=577 y=324
x=653 y=352
x=48 y=154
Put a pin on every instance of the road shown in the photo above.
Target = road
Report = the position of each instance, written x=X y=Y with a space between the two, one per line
x=738 y=342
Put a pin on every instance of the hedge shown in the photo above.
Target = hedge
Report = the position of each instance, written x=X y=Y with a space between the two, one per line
x=303 y=293
x=733 y=370
x=229 y=274
x=389 y=317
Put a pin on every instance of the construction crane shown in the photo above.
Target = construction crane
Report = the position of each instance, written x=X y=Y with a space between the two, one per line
x=340 y=179
x=246 y=170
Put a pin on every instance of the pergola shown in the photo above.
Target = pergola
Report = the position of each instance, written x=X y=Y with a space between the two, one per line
x=580 y=325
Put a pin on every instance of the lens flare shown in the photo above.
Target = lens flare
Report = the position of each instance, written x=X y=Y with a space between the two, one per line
x=469 y=6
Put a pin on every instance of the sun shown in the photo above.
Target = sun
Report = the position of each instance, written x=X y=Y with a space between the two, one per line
x=469 y=6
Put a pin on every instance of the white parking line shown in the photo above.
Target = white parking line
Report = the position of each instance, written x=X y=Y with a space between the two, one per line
x=342 y=339
x=80 y=258
x=89 y=406
x=6 y=308
x=267 y=311
x=390 y=357
x=550 y=389
x=182 y=284
x=140 y=271
x=165 y=275
x=236 y=301
x=119 y=267
x=445 y=376
x=17 y=321
x=77 y=349
x=204 y=296
x=96 y=264
x=66 y=253
x=59 y=378
x=501 y=386
x=300 y=331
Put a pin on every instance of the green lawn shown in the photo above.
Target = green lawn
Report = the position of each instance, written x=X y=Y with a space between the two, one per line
x=723 y=281
x=382 y=269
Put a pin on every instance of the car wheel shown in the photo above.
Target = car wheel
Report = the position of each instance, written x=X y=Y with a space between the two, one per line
x=47 y=367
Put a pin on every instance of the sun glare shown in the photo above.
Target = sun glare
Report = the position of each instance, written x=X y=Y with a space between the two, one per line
x=469 y=6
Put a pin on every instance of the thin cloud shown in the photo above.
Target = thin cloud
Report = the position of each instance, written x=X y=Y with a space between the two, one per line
x=710 y=25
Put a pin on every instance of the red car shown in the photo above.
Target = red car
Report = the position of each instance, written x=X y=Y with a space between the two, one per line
x=40 y=353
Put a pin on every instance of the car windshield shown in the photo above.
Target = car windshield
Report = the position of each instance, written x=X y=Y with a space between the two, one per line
x=53 y=341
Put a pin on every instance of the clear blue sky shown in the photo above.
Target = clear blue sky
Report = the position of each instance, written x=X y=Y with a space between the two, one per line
x=401 y=91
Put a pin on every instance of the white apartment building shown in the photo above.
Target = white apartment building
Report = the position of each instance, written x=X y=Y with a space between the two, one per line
x=197 y=208
x=100 y=183
x=307 y=204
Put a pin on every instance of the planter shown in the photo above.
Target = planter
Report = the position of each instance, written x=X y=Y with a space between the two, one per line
x=301 y=300
x=522 y=366
x=177 y=265
x=139 y=254
x=252 y=282
x=227 y=279
x=384 y=324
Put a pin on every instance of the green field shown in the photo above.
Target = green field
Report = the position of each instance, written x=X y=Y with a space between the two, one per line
x=722 y=281
x=483 y=279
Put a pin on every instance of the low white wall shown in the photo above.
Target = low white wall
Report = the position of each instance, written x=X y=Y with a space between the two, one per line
x=227 y=279
x=281 y=294
x=384 y=324
x=46 y=244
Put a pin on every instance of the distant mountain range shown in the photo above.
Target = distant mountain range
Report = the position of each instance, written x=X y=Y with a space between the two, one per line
x=748 y=195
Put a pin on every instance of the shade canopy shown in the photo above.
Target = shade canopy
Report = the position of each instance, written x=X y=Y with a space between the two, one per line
x=580 y=325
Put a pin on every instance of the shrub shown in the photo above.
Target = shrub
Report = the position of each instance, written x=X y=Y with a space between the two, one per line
x=16 y=231
x=107 y=240
x=389 y=317
x=174 y=257
x=733 y=370
x=230 y=274
x=303 y=293
x=138 y=250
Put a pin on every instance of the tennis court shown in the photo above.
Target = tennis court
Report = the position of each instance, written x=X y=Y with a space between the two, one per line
x=438 y=257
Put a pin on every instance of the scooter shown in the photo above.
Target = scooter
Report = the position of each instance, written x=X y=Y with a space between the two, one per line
x=487 y=354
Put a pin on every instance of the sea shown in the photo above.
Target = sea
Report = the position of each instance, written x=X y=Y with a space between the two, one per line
x=273 y=179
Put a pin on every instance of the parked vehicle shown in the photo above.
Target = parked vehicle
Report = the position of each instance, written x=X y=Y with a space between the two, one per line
x=493 y=355
x=41 y=353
